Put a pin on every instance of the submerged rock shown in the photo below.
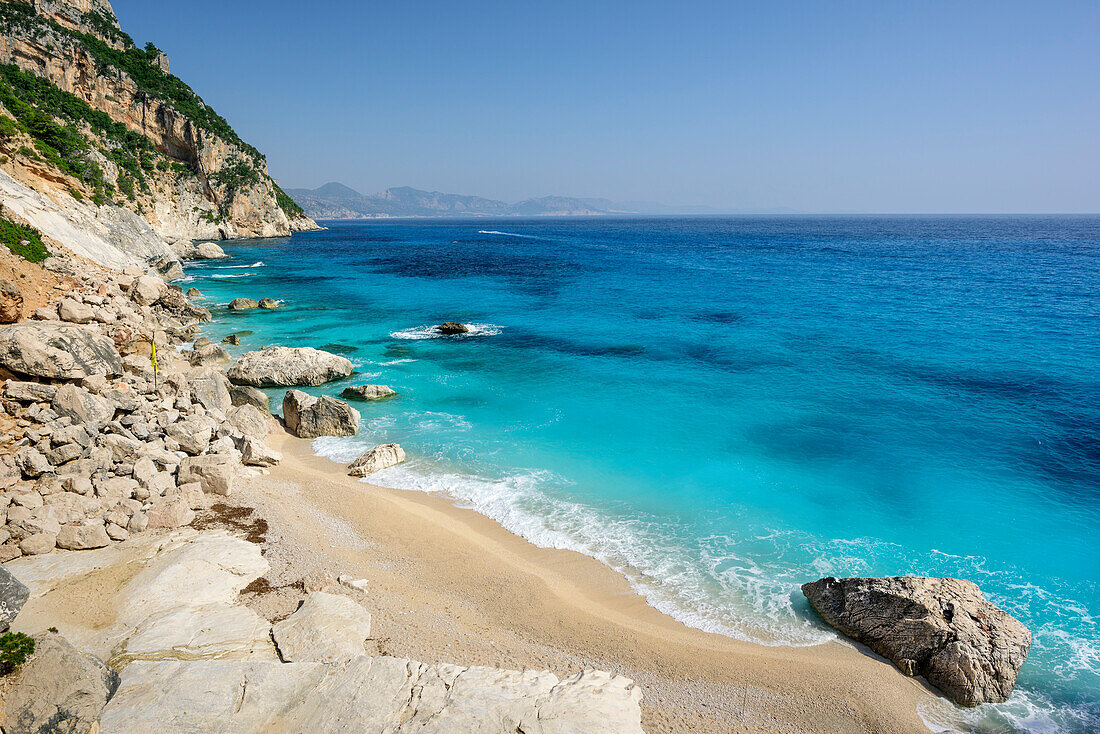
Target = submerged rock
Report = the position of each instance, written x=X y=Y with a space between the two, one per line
x=54 y=350
x=377 y=459
x=310 y=417
x=942 y=629
x=452 y=327
x=286 y=366
x=368 y=392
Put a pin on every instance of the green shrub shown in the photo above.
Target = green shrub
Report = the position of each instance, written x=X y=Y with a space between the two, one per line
x=9 y=128
x=15 y=647
x=13 y=236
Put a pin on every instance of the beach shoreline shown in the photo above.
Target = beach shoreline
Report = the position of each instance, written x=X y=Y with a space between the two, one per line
x=448 y=584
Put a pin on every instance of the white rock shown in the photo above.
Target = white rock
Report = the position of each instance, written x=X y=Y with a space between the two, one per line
x=327 y=628
x=283 y=366
x=375 y=695
x=74 y=311
x=213 y=631
x=378 y=458
x=255 y=452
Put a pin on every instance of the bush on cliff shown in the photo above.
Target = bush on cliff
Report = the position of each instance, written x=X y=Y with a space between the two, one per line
x=13 y=236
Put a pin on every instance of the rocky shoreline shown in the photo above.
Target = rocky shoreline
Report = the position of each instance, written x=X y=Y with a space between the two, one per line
x=103 y=466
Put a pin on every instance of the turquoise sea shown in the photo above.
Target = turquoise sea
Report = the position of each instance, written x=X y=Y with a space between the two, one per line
x=725 y=408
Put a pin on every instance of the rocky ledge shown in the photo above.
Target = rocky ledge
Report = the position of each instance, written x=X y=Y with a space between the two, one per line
x=942 y=629
x=184 y=655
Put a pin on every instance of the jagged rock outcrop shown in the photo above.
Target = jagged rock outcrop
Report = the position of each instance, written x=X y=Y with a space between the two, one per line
x=109 y=235
x=942 y=629
x=310 y=417
x=376 y=459
x=287 y=366
x=212 y=186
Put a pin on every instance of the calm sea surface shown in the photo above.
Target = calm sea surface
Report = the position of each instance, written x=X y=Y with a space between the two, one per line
x=726 y=408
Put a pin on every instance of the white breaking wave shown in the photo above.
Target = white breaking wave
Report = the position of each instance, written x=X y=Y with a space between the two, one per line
x=431 y=331
x=234 y=275
x=259 y=264
x=507 y=234
x=396 y=361
x=662 y=571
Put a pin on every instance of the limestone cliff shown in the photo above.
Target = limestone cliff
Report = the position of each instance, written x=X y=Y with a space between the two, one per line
x=88 y=117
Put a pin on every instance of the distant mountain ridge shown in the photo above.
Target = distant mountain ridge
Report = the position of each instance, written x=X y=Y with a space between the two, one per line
x=336 y=201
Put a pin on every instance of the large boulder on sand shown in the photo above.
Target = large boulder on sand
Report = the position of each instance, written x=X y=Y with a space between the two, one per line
x=50 y=349
x=310 y=417
x=368 y=392
x=942 y=629
x=287 y=366
x=58 y=689
x=377 y=459
x=11 y=302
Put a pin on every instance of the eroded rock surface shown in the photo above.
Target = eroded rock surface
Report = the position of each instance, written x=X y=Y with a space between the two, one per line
x=288 y=366
x=310 y=417
x=371 y=695
x=942 y=629
x=58 y=689
x=57 y=350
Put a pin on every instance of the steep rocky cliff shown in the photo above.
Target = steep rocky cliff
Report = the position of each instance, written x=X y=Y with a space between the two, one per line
x=92 y=122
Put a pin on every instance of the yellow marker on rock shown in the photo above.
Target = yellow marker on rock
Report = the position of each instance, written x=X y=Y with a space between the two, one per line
x=154 y=343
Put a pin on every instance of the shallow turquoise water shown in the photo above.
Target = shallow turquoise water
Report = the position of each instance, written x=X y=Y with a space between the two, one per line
x=727 y=408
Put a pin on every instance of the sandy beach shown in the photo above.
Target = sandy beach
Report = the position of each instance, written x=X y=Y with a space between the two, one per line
x=447 y=584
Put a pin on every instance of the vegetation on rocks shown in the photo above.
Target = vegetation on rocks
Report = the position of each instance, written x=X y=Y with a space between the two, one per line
x=23 y=240
x=59 y=122
x=15 y=648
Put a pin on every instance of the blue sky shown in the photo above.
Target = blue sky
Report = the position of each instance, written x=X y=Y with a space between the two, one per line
x=850 y=106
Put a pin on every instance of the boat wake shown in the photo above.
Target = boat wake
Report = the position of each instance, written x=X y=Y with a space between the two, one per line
x=507 y=234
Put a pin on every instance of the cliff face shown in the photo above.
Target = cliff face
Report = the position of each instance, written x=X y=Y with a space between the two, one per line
x=197 y=178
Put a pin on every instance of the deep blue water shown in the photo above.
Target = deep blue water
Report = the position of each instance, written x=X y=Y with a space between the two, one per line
x=726 y=408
